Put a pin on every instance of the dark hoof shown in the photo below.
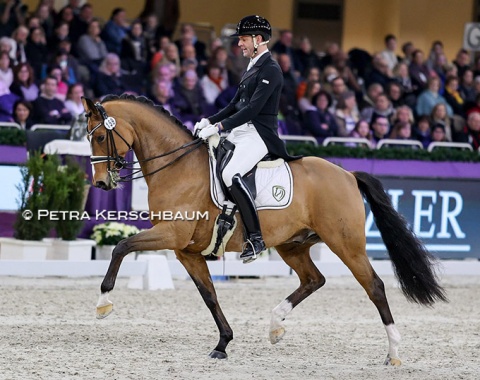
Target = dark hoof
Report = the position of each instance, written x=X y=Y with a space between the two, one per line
x=218 y=355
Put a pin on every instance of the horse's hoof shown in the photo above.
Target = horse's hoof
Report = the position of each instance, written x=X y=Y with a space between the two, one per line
x=104 y=311
x=277 y=335
x=392 y=361
x=218 y=355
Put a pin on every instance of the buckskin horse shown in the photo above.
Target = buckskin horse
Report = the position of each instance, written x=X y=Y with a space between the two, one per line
x=327 y=207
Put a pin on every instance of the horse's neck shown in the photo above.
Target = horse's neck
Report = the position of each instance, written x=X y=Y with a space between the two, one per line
x=154 y=140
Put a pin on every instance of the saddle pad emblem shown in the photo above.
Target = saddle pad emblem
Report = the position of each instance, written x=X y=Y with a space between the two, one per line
x=278 y=192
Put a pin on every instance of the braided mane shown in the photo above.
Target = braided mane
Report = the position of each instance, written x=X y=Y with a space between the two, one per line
x=144 y=100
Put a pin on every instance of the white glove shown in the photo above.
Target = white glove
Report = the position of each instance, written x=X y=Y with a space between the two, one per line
x=205 y=133
x=200 y=125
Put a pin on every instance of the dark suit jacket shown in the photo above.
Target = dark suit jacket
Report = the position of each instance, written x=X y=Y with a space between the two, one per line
x=257 y=101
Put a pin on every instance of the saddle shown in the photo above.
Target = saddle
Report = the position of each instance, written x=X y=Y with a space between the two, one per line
x=270 y=182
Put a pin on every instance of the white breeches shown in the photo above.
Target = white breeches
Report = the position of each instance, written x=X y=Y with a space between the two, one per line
x=249 y=150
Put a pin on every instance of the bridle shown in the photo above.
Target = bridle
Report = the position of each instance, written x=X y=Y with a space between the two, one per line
x=115 y=162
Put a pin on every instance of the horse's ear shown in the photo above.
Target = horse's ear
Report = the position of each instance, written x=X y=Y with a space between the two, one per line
x=89 y=106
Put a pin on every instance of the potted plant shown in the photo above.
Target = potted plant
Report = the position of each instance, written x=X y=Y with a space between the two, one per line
x=71 y=193
x=108 y=235
x=38 y=176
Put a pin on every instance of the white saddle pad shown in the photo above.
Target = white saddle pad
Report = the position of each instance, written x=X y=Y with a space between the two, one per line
x=273 y=181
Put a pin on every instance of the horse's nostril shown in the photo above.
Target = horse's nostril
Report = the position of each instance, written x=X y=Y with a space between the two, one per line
x=101 y=185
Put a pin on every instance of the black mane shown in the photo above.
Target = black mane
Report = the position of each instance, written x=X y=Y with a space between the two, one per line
x=144 y=100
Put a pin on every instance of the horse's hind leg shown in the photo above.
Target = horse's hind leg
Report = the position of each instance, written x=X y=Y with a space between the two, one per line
x=298 y=258
x=362 y=270
x=197 y=268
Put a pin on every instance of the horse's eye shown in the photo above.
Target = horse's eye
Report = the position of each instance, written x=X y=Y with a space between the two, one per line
x=101 y=138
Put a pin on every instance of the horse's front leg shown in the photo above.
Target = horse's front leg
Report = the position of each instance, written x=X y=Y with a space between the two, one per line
x=197 y=268
x=143 y=241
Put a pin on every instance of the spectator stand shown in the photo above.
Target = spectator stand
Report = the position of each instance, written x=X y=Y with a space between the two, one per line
x=399 y=143
x=41 y=134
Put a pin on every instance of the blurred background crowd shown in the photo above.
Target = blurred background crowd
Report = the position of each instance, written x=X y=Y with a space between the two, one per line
x=50 y=58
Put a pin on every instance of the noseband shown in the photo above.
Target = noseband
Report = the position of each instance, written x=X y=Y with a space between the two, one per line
x=115 y=162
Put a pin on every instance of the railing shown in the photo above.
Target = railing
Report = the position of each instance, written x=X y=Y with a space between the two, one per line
x=407 y=143
x=306 y=139
x=6 y=124
x=353 y=141
x=50 y=127
x=454 y=145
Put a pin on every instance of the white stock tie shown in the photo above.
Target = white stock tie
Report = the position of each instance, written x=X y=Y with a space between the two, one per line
x=250 y=65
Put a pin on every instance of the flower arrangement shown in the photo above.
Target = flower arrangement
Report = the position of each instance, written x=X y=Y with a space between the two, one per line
x=111 y=233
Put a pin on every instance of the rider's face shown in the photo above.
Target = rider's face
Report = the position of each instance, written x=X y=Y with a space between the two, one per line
x=246 y=44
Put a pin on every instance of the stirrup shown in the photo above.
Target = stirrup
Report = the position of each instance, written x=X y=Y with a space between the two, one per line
x=246 y=256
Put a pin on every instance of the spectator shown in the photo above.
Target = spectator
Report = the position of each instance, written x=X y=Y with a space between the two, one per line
x=167 y=13
x=331 y=50
x=161 y=95
x=402 y=76
x=7 y=101
x=62 y=86
x=423 y=132
x=382 y=107
x=403 y=114
x=429 y=97
x=418 y=71
x=305 y=103
x=288 y=98
x=467 y=88
x=115 y=31
x=389 y=54
x=48 y=109
x=340 y=61
x=66 y=15
x=311 y=75
x=188 y=37
x=453 y=96
x=307 y=58
x=74 y=100
x=438 y=133
x=213 y=83
x=46 y=16
x=6 y=72
x=471 y=131
x=319 y=122
x=439 y=116
x=110 y=79
x=60 y=33
x=150 y=30
x=189 y=102
x=237 y=63
x=436 y=51
x=37 y=51
x=220 y=58
x=407 y=49
x=24 y=82
x=462 y=62
x=401 y=131
x=20 y=36
x=91 y=48
x=8 y=45
x=346 y=114
x=395 y=94
x=61 y=60
x=361 y=130
x=338 y=89
x=380 y=127
x=22 y=114
x=12 y=15
x=171 y=56
x=134 y=51
x=380 y=72
x=80 y=23
x=284 y=45
x=368 y=99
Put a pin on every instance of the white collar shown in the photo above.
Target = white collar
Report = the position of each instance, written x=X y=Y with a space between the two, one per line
x=255 y=60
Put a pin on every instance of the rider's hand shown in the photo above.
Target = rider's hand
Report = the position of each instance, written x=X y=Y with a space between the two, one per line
x=206 y=132
x=200 y=125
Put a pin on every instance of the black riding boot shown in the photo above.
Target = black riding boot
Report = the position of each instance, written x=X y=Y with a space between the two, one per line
x=246 y=205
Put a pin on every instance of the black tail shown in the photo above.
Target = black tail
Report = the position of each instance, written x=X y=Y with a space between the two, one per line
x=412 y=263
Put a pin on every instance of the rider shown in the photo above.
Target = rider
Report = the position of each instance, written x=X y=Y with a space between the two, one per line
x=251 y=119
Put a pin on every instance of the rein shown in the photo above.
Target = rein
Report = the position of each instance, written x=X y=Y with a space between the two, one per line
x=118 y=161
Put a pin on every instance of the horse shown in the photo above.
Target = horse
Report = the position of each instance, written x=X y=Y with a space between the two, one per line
x=327 y=206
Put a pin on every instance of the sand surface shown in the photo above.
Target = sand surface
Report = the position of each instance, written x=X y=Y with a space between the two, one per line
x=48 y=331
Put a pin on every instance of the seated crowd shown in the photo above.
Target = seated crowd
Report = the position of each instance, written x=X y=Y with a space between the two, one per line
x=49 y=60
